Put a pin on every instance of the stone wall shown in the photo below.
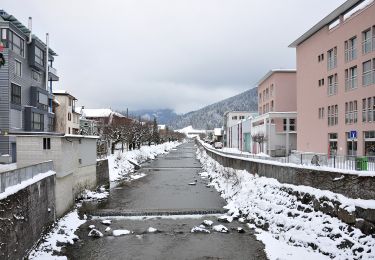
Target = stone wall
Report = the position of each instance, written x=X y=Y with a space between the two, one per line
x=352 y=186
x=24 y=216
x=102 y=172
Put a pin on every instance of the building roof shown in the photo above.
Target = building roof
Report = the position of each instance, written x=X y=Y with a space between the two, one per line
x=105 y=112
x=59 y=92
x=342 y=9
x=271 y=72
x=10 y=18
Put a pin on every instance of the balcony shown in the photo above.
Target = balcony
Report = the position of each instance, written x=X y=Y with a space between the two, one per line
x=52 y=74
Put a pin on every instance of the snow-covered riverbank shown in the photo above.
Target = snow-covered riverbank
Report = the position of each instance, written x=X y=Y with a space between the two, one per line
x=288 y=228
x=121 y=164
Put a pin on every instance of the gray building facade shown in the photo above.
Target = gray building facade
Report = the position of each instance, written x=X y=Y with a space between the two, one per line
x=25 y=99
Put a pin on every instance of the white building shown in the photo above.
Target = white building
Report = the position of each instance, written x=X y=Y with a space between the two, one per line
x=74 y=158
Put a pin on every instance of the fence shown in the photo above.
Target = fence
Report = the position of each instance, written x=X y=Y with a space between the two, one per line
x=312 y=159
x=14 y=177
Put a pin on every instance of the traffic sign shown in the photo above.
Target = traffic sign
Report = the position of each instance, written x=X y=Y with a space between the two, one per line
x=353 y=135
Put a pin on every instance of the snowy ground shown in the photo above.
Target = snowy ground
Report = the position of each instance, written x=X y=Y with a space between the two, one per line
x=122 y=164
x=62 y=233
x=288 y=228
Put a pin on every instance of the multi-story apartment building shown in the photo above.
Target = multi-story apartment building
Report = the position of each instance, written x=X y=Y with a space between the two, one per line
x=232 y=118
x=67 y=119
x=25 y=99
x=275 y=127
x=336 y=82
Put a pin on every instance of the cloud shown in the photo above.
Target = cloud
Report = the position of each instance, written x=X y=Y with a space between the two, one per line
x=181 y=54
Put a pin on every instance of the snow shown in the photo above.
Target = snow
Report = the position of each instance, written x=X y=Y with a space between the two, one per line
x=200 y=230
x=93 y=195
x=208 y=222
x=220 y=228
x=107 y=229
x=290 y=229
x=120 y=167
x=151 y=230
x=106 y=222
x=190 y=132
x=15 y=188
x=63 y=232
x=95 y=233
x=7 y=167
x=120 y=232
x=105 y=112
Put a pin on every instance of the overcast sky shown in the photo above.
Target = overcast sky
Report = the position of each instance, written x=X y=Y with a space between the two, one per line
x=179 y=54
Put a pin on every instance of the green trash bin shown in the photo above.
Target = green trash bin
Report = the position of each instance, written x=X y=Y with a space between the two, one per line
x=361 y=163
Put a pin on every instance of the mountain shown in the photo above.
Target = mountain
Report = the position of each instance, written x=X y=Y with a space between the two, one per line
x=211 y=116
x=163 y=116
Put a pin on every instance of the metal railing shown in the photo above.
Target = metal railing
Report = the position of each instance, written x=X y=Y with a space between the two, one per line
x=52 y=70
x=312 y=159
x=350 y=54
x=16 y=176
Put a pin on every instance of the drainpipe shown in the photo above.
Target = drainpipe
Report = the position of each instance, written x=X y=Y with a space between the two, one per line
x=31 y=29
x=46 y=61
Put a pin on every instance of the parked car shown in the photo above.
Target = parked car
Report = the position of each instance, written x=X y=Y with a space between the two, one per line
x=218 y=145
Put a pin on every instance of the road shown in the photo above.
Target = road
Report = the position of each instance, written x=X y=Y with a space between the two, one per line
x=165 y=190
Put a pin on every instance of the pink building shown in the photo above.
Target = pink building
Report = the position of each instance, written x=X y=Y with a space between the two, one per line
x=336 y=82
x=277 y=91
x=277 y=113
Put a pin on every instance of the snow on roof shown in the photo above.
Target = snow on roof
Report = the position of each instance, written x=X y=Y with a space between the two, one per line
x=190 y=130
x=162 y=127
x=105 y=112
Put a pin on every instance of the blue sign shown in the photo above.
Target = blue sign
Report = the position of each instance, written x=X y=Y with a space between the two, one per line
x=353 y=134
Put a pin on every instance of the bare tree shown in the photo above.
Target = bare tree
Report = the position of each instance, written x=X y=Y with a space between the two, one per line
x=260 y=139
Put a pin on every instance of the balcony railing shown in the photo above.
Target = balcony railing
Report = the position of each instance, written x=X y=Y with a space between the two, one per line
x=332 y=89
x=52 y=70
x=331 y=63
x=367 y=46
x=351 y=83
x=368 y=78
x=350 y=54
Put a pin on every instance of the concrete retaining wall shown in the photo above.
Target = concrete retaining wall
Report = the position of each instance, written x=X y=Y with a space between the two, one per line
x=349 y=185
x=102 y=172
x=24 y=216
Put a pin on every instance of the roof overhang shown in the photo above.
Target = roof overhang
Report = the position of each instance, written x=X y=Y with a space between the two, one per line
x=345 y=7
x=271 y=72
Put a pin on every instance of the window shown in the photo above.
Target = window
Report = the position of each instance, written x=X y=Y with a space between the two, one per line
x=68 y=130
x=292 y=124
x=18 y=68
x=271 y=91
x=36 y=76
x=234 y=117
x=367 y=41
x=46 y=143
x=50 y=124
x=332 y=58
x=260 y=96
x=13 y=42
x=321 y=57
x=368 y=109
x=267 y=94
x=272 y=106
x=350 y=49
x=332 y=85
x=368 y=76
x=37 y=121
x=39 y=56
x=16 y=94
x=321 y=113
x=351 y=112
x=69 y=116
x=321 y=82
x=264 y=95
x=332 y=115
x=242 y=117
x=70 y=102
x=351 y=78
